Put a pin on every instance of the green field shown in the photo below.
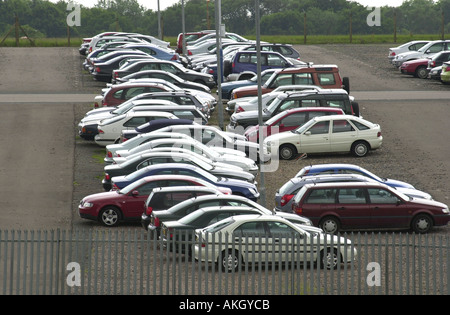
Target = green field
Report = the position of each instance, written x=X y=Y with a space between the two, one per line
x=285 y=39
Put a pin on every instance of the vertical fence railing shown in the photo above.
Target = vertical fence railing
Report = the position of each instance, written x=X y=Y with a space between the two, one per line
x=136 y=262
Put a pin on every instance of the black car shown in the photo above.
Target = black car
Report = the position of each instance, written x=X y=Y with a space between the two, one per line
x=182 y=230
x=153 y=220
x=337 y=98
x=435 y=62
x=102 y=70
x=164 y=75
x=168 y=66
x=152 y=126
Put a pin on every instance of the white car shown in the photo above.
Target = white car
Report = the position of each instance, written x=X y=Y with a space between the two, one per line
x=427 y=51
x=326 y=134
x=414 y=45
x=242 y=239
x=109 y=129
x=112 y=150
x=204 y=47
x=216 y=154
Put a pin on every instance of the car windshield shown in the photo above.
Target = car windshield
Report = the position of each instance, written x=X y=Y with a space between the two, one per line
x=305 y=127
x=131 y=187
x=219 y=225
x=273 y=106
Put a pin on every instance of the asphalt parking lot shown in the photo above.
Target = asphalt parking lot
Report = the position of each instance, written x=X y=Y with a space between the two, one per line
x=46 y=169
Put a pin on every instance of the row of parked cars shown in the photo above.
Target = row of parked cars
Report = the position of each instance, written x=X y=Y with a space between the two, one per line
x=424 y=59
x=168 y=169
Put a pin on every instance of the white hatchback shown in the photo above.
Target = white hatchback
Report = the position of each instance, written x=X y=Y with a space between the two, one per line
x=109 y=129
x=326 y=134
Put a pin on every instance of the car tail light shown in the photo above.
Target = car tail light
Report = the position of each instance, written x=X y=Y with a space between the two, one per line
x=211 y=71
x=100 y=131
x=156 y=222
x=149 y=210
x=175 y=57
x=115 y=75
x=379 y=134
x=109 y=154
x=97 y=69
x=107 y=176
x=392 y=54
x=297 y=210
x=239 y=109
x=285 y=199
x=433 y=64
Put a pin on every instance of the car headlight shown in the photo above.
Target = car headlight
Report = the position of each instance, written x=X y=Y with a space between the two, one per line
x=87 y=204
x=253 y=191
x=445 y=210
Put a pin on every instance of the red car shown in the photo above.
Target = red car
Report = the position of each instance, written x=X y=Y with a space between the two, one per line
x=416 y=67
x=190 y=36
x=120 y=93
x=364 y=205
x=112 y=207
x=289 y=120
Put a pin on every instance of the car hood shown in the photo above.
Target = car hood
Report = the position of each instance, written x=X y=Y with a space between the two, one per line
x=397 y=183
x=107 y=195
x=288 y=136
x=429 y=203
x=95 y=118
x=235 y=84
x=251 y=114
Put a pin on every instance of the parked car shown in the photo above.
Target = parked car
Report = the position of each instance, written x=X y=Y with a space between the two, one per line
x=216 y=156
x=152 y=219
x=113 y=207
x=205 y=46
x=284 y=195
x=289 y=120
x=175 y=234
x=119 y=93
x=437 y=61
x=344 y=168
x=435 y=73
x=153 y=125
x=102 y=71
x=228 y=87
x=327 y=134
x=181 y=111
x=286 y=50
x=428 y=50
x=138 y=161
x=240 y=240
x=409 y=46
x=151 y=40
x=168 y=66
x=445 y=73
x=243 y=65
x=164 y=75
x=97 y=42
x=88 y=125
x=349 y=206
x=109 y=129
x=251 y=103
x=416 y=67
x=238 y=187
x=214 y=137
x=212 y=35
x=325 y=76
x=163 y=53
x=336 y=98
x=190 y=36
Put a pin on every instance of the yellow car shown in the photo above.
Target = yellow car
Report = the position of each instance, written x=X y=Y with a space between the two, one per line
x=445 y=74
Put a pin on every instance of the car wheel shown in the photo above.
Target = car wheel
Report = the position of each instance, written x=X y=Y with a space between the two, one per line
x=329 y=258
x=287 y=152
x=330 y=225
x=110 y=216
x=360 y=148
x=346 y=84
x=421 y=72
x=422 y=223
x=230 y=260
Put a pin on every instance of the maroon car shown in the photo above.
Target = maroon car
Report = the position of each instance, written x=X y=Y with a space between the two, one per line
x=112 y=207
x=416 y=67
x=119 y=93
x=289 y=120
x=352 y=206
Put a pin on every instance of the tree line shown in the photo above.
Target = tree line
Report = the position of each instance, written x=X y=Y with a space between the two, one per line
x=42 y=18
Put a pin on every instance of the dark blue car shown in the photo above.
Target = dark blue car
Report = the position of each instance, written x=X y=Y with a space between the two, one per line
x=238 y=187
x=334 y=168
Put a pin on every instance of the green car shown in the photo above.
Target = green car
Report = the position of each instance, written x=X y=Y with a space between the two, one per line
x=445 y=74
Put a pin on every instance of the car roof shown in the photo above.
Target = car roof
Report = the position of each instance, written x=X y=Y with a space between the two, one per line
x=346 y=185
x=184 y=188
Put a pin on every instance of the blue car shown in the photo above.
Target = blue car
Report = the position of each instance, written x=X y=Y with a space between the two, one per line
x=228 y=87
x=238 y=187
x=155 y=51
x=323 y=169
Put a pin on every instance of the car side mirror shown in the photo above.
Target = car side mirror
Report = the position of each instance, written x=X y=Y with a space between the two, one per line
x=307 y=133
x=135 y=193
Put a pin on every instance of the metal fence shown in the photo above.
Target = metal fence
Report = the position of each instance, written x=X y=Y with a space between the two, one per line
x=122 y=262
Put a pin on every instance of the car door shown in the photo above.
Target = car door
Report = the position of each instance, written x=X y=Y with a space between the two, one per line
x=135 y=204
x=387 y=210
x=315 y=139
x=342 y=135
x=252 y=238
x=284 y=244
x=292 y=121
x=353 y=208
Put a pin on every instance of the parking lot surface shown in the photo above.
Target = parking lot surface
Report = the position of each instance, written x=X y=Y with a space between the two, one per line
x=46 y=169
